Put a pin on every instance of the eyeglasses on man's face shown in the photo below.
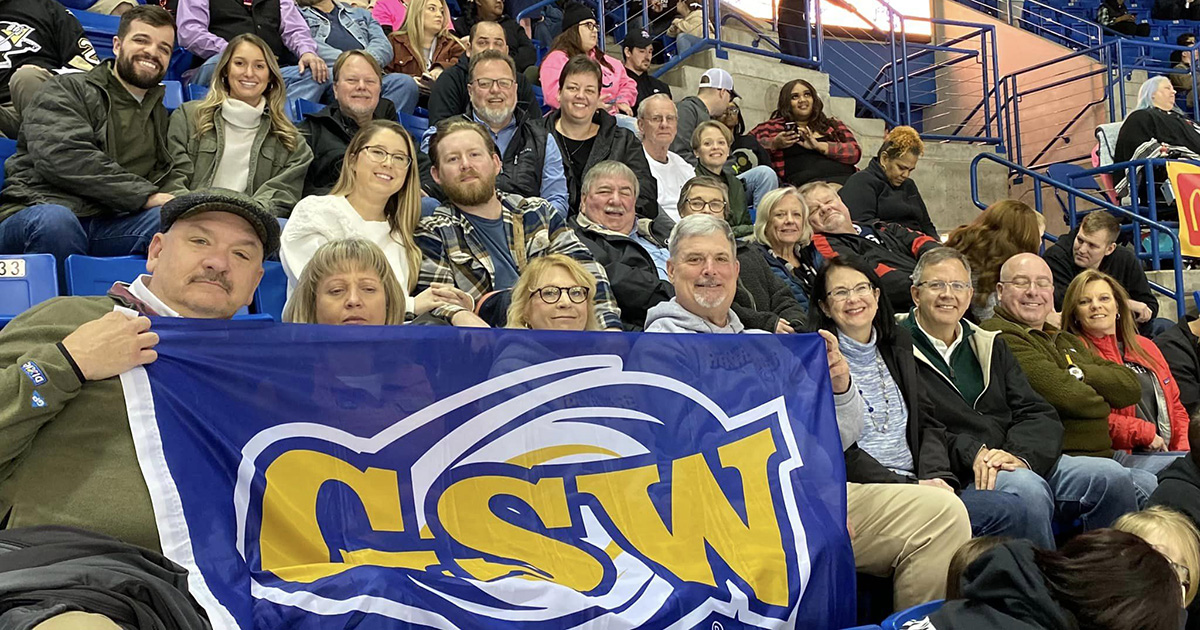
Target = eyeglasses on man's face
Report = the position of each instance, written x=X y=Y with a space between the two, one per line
x=486 y=84
x=716 y=206
x=940 y=286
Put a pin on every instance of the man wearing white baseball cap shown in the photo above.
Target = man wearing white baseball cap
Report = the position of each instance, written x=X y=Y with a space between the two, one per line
x=712 y=99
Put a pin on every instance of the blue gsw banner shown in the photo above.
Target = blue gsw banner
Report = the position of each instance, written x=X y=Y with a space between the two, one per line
x=315 y=477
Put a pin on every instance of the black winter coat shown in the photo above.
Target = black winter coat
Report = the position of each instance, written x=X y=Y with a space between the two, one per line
x=1181 y=349
x=631 y=272
x=1122 y=265
x=520 y=48
x=891 y=250
x=927 y=443
x=1179 y=489
x=612 y=143
x=328 y=133
x=871 y=197
x=449 y=95
x=1008 y=414
x=762 y=298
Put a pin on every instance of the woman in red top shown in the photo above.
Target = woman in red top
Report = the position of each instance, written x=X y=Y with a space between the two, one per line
x=1096 y=308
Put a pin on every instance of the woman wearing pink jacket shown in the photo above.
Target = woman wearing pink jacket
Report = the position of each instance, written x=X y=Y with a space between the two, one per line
x=580 y=36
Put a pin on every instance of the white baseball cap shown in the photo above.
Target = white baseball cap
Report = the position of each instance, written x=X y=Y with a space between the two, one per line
x=718 y=79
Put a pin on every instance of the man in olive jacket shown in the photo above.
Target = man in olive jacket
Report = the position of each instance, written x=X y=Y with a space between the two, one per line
x=92 y=158
x=66 y=452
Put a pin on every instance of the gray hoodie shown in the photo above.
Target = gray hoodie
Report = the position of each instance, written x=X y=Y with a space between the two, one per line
x=670 y=317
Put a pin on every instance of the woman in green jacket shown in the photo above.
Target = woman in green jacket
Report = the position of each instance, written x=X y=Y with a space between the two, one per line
x=239 y=136
x=710 y=143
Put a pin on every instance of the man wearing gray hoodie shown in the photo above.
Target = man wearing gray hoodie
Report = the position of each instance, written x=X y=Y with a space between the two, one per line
x=907 y=531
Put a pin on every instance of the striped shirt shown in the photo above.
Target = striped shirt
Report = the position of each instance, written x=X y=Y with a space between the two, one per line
x=885 y=430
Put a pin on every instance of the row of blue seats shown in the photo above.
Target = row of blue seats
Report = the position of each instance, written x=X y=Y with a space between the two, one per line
x=30 y=279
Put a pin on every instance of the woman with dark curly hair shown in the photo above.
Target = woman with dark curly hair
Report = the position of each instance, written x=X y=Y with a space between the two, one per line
x=805 y=144
x=1005 y=229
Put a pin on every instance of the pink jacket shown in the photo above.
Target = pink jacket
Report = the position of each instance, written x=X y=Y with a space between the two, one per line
x=615 y=85
x=389 y=13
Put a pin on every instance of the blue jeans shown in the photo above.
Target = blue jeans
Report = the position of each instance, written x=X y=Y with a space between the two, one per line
x=1144 y=468
x=759 y=181
x=997 y=514
x=402 y=91
x=54 y=229
x=685 y=41
x=1093 y=490
x=298 y=85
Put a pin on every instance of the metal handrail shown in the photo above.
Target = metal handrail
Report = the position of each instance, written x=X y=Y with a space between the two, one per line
x=1156 y=227
x=1126 y=69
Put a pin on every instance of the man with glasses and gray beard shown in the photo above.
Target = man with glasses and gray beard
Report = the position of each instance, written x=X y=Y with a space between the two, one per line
x=532 y=164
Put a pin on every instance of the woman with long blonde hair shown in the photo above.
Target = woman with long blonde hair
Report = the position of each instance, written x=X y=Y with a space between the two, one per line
x=1005 y=229
x=239 y=135
x=424 y=45
x=1096 y=308
x=377 y=197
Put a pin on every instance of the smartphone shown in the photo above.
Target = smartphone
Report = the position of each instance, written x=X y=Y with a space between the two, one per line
x=791 y=127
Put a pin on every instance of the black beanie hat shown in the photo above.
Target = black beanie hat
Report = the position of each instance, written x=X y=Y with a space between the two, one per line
x=575 y=13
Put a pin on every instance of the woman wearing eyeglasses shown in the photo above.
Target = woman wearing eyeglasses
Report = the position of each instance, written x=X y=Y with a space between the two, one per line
x=895 y=445
x=239 y=136
x=581 y=36
x=554 y=293
x=377 y=197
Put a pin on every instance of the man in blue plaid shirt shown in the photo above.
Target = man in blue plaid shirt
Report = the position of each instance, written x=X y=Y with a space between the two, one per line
x=482 y=239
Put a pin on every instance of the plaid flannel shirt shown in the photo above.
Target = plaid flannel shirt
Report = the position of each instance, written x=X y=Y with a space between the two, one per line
x=847 y=151
x=452 y=253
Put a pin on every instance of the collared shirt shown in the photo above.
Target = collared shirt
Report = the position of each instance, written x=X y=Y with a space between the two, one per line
x=140 y=289
x=945 y=350
x=554 y=177
x=658 y=254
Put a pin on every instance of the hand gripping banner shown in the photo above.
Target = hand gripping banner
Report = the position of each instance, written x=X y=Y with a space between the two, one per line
x=314 y=477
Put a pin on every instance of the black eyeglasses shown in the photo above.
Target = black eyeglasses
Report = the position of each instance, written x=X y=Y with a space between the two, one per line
x=551 y=295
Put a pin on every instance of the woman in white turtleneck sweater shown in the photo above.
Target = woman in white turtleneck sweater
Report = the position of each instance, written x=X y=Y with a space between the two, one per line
x=239 y=136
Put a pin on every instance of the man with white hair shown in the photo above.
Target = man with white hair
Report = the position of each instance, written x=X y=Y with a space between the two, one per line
x=909 y=532
x=657 y=120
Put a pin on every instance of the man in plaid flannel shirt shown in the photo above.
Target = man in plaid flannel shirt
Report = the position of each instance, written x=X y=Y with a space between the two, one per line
x=481 y=240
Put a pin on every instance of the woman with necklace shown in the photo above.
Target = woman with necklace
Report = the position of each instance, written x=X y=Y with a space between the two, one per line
x=897 y=445
x=377 y=197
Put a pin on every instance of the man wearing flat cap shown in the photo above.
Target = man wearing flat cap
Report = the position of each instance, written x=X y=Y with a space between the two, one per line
x=66 y=452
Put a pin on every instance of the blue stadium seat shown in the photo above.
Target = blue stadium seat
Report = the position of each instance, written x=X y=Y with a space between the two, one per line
x=299 y=107
x=920 y=611
x=173 y=97
x=89 y=275
x=272 y=291
x=99 y=29
x=196 y=92
x=1196 y=298
x=415 y=125
x=7 y=149
x=25 y=280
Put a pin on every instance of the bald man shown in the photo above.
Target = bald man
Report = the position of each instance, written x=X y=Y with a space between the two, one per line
x=1081 y=386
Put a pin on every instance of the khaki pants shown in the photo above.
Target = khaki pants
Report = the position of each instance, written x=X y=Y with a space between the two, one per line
x=909 y=532
x=23 y=85
x=77 y=621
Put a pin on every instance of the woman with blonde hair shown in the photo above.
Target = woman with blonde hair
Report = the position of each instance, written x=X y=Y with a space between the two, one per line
x=1174 y=536
x=781 y=232
x=554 y=292
x=348 y=282
x=1005 y=229
x=424 y=46
x=1096 y=308
x=377 y=197
x=884 y=191
x=239 y=135
x=710 y=144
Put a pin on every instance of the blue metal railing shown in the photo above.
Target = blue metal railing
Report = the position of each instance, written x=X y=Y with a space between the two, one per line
x=1128 y=60
x=1073 y=194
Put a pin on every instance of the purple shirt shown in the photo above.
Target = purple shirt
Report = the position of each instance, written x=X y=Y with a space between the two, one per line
x=192 y=22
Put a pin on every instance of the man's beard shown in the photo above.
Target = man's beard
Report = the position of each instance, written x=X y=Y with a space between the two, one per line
x=472 y=194
x=495 y=116
x=129 y=73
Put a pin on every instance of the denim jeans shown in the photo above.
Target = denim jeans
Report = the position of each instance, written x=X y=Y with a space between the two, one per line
x=1093 y=490
x=759 y=181
x=54 y=229
x=401 y=90
x=999 y=514
x=685 y=41
x=1144 y=468
x=298 y=85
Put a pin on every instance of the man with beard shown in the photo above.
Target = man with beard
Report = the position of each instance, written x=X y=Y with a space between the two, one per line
x=92 y=154
x=638 y=49
x=357 y=78
x=337 y=27
x=657 y=119
x=450 y=96
x=481 y=240
x=531 y=164
x=633 y=250
x=891 y=249
x=589 y=135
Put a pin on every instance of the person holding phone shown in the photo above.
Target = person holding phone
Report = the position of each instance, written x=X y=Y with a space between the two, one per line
x=804 y=143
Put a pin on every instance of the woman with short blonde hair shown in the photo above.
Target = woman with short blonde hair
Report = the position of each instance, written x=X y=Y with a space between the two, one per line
x=345 y=257
x=554 y=292
x=1174 y=536
x=781 y=232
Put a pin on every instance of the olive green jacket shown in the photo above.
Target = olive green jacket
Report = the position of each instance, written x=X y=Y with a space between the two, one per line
x=276 y=177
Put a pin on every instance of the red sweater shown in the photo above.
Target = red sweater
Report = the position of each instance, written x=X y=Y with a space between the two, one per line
x=1127 y=430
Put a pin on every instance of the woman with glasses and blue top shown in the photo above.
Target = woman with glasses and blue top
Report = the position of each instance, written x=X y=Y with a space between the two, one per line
x=895 y=446
x=377 y=197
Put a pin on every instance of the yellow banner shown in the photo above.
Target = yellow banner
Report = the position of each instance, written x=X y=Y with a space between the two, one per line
x=1185 y=179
